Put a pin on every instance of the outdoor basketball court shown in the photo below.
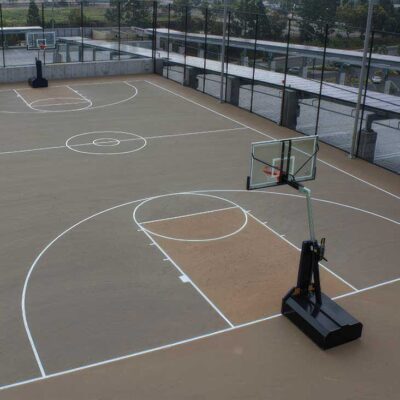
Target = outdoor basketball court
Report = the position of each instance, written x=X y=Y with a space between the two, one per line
x=136 y=264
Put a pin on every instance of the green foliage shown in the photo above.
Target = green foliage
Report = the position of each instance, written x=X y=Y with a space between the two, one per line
x=133 y=13
x=33 y=17
x=315 y=14
x=74 y=18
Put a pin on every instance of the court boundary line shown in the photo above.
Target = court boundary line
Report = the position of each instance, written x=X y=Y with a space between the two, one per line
x=272 y=137
x=178 y=343
x=32 y=267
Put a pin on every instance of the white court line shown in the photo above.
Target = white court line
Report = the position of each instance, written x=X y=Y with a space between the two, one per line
x=58 y=104
x=87 y=108
x=271 y=137
x=189 y=279
x=85 y=99
x=19 y=95
x=243 y=225
x=176 y=344
x=29 y=150
x=124 y=140
x=187 y=215
x=75 y=84
x=152 y=243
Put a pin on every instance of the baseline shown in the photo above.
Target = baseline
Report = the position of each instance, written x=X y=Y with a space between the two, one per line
x=175 y=344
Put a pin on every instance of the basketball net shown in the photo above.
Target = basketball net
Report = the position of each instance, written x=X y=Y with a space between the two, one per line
x=272 y=172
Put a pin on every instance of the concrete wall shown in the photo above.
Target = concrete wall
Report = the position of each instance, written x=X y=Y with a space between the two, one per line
x=78 y=70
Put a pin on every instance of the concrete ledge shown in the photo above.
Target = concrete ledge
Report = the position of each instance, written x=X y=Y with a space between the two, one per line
x=78 y=70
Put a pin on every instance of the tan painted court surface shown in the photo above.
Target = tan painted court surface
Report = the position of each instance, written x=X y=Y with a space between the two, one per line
x=135 y=264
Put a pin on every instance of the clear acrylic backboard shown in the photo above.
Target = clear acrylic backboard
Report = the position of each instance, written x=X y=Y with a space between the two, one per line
x=276 y=162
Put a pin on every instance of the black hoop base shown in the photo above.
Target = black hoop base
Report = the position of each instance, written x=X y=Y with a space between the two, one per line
x=319 y=317
x=39 y=81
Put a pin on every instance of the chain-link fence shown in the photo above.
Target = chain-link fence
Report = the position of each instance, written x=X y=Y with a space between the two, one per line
x=269 y=63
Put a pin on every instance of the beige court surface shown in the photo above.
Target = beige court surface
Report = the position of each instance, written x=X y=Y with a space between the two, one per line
x=135 y=264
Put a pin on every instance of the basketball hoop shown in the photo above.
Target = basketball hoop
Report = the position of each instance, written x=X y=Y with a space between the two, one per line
x=272 y=172
x=42 y=46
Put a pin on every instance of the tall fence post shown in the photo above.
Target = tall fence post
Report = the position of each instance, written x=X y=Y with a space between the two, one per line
x=254 y=64
x=205 y=48
x=322 y=78
x=119 y=28
x=227 y=53
x=185 y=49
x=285 y=72
x=154 y=44
x=365 y=91
x=3 y=43
x=43 y=35
x=168 y=39
x=82 y=48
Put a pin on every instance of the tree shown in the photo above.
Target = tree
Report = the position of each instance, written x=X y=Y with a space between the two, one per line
x=278 y=24
x=244 y=21
x=179 y=8
x=315 y=14
x=132 y=12
x=74 y=18
x=33 y=17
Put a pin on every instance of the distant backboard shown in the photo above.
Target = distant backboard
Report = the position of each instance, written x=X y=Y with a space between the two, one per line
x=276 y=162
x=34 y=40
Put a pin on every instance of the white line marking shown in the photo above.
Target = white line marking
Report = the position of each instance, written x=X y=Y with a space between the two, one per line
x=123 y=140
x=19 y=95
x=298 y=249
x=177 y=343
x=72 y=146
x=191 y=282
x=86 y=108
x=184 y=278
x=195 y=133
x=165 y=259
x=30 y=150
x=368 y=288
x=272 y=137
x=187 y=215
x=31 y=269
x=58 y=104
x=79 y=94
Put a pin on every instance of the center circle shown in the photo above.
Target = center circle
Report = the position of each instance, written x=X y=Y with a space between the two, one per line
x=237 y=225
x=106 y=142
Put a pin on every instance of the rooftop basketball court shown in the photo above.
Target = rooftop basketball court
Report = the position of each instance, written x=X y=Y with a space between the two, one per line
x=136 y=265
